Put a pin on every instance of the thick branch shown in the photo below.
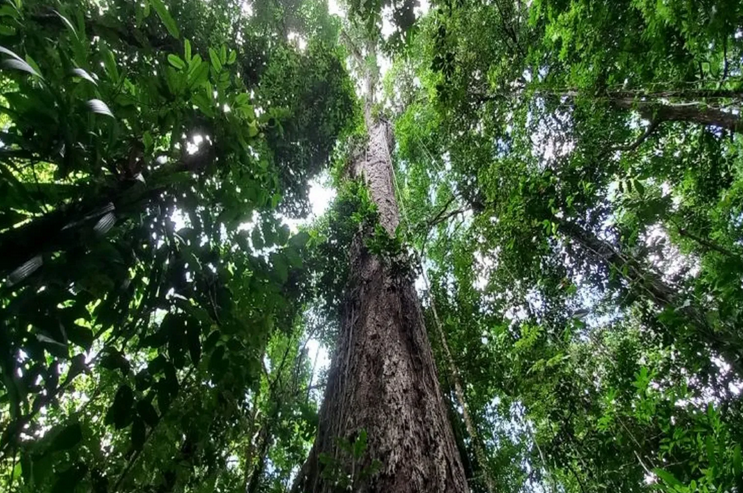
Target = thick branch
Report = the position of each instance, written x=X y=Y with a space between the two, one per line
x=637 y=143
x=686 y=112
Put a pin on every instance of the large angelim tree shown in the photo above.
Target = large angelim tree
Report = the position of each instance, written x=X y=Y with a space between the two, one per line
x=383 y=418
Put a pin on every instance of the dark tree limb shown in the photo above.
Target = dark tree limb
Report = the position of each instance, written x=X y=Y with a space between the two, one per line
x=683 y=112
x=654 y=124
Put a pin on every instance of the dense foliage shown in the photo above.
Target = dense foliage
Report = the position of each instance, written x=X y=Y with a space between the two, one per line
x=591 y=162
x=570 y=174
x=153 y=297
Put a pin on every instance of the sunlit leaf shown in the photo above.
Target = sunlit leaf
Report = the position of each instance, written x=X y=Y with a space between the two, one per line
x=84 y=75
x=98 y=106
x=214 y=57
x=24 y=270
x=22 y=65
x=176 y=61
x=67 y=23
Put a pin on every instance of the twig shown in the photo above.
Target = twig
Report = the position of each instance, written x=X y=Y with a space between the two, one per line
x=577 y=477
x=11 y=474
x=705 y=243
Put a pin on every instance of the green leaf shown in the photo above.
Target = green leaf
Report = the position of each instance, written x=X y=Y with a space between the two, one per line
x=98 y=106
x=139 y=434
x=194 y=63
x=10 y=53
x=164 y=398
x=280 y=269
x=211 y=340
x=33 y=64
x=84 y=75
x=738 y=462
x=82 y=336
x=187 y=50
x=217 y=362
x=711 y=456
x=667 y=477
x=282 y=234
x=68 y=24
x=176 y=61
x=148 y=141
x=67 y=438
x=68 y=480
x=109 y=64
x=22 y=65
x=165 y=16
x=8 y=11
x=198 y=75
x=214 y=57
x=202 y=102
x=77 y=367
x=143 y=380
x=114 y=360
x=242 y=99
x=359 y=446
x=640 y=188
x=300 y=239
x=193 y=332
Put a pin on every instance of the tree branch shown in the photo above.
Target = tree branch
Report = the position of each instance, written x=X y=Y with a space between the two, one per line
x=637 y=143
x=352 y=46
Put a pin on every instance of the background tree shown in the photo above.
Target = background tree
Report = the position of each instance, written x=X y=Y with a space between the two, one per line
x=546 y=136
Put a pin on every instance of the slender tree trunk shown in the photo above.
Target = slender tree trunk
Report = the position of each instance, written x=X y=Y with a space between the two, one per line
x=459 y=391
x=255 y=478
x=603 y=252
x=383 y=377
x=691 y=109
x=650 y=285
x=689 y=105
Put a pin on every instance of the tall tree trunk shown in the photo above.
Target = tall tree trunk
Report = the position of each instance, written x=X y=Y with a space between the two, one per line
x=649 y=283
x=383 y=377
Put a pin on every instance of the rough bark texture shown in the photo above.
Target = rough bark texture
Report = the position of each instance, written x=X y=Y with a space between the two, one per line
x=684 y=112
x=383 y=377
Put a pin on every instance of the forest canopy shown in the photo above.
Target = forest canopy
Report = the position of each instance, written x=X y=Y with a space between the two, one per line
x=544 y=199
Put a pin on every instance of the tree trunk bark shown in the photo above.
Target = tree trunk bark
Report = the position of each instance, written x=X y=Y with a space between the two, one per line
x=683 y=112
x=383 y=377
